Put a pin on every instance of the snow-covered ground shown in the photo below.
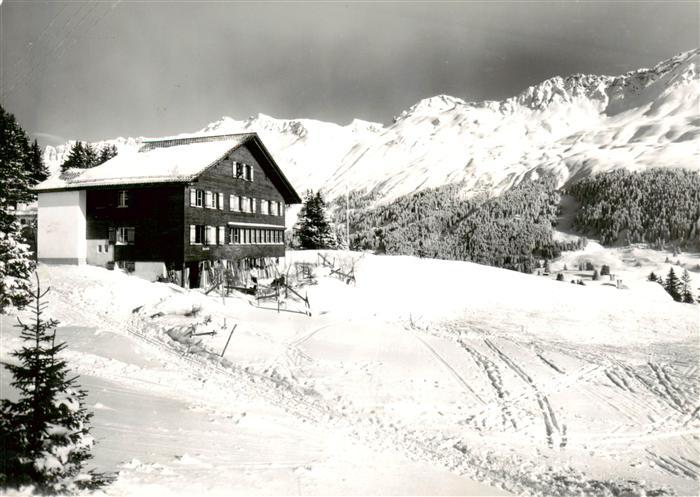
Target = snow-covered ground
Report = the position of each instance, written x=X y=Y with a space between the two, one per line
x=423 y=377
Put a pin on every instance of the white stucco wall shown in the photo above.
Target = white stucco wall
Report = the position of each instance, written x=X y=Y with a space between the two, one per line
x=99 y=252
x=62 y=230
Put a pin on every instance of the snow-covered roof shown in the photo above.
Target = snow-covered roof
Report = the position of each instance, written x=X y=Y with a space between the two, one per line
x=171 y=160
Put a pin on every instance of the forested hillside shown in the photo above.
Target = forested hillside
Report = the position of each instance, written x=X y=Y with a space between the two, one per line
x=511 y=231
x=656 y=206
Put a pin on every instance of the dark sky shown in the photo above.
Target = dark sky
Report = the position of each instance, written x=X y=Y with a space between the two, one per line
x=94 y=70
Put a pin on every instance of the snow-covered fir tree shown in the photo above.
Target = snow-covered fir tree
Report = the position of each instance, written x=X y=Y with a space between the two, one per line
x=673 y=285
x=45 y=435
x=686 y=288
x=16 y=267
x=314 y=228
x=76 y=157
x=14 y=166
x=16 y=264
x=36 y=168
x=84 y=156
x=107 y=152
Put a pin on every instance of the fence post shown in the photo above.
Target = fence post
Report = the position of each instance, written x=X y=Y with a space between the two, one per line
x=229 y=339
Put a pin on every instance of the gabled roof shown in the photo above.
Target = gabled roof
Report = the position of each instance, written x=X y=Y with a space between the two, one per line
x=170 y=160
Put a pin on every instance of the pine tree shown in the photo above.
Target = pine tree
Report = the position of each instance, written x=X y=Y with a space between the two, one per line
x=672 y=285
x=107 y=152
x=91 y=156
x=604 y=270
x=37 y=170
x=14 y=179
x=652 y=277
x=314 y=229
x=15 y=259
x=16 y=267
x=76 y=158
x=686 y=290
x=45 y=437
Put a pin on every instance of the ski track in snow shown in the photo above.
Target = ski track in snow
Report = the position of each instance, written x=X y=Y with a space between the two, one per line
x=532 y=415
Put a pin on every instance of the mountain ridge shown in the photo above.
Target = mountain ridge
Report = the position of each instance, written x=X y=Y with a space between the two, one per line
x=564 y=127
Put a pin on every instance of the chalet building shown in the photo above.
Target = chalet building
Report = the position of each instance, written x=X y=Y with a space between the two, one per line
x=174 y=208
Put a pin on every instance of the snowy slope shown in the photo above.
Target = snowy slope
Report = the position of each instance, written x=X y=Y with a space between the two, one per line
x=423 y=377
x=565 y=127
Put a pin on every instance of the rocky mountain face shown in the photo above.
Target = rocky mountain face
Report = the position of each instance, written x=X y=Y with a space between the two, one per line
x=565 y=127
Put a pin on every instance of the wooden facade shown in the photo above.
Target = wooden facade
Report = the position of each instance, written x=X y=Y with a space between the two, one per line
x=155 y=213
x=220 y=179
x=232 y=212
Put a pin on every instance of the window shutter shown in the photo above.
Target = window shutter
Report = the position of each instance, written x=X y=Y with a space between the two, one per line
x=252 y=205
x=221 y=200
x=222 y=233
x=193 y=234
x=252 y=170
x=207 y=199
x=231 y=205
x=112 y=235
x=193 y=197
x=130 y=235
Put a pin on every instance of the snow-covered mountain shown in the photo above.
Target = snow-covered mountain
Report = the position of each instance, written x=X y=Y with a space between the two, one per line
x=565 y=127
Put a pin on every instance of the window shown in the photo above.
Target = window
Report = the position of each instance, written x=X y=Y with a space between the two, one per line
x=197 y=234
x=210 y=235
x=252 y=205
x=196 y=197
x=125 y=236
x=123 y=198
x=237 y=170
x=99 y=249
x=236 y=235
x=248 y=172
x=264 y=207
